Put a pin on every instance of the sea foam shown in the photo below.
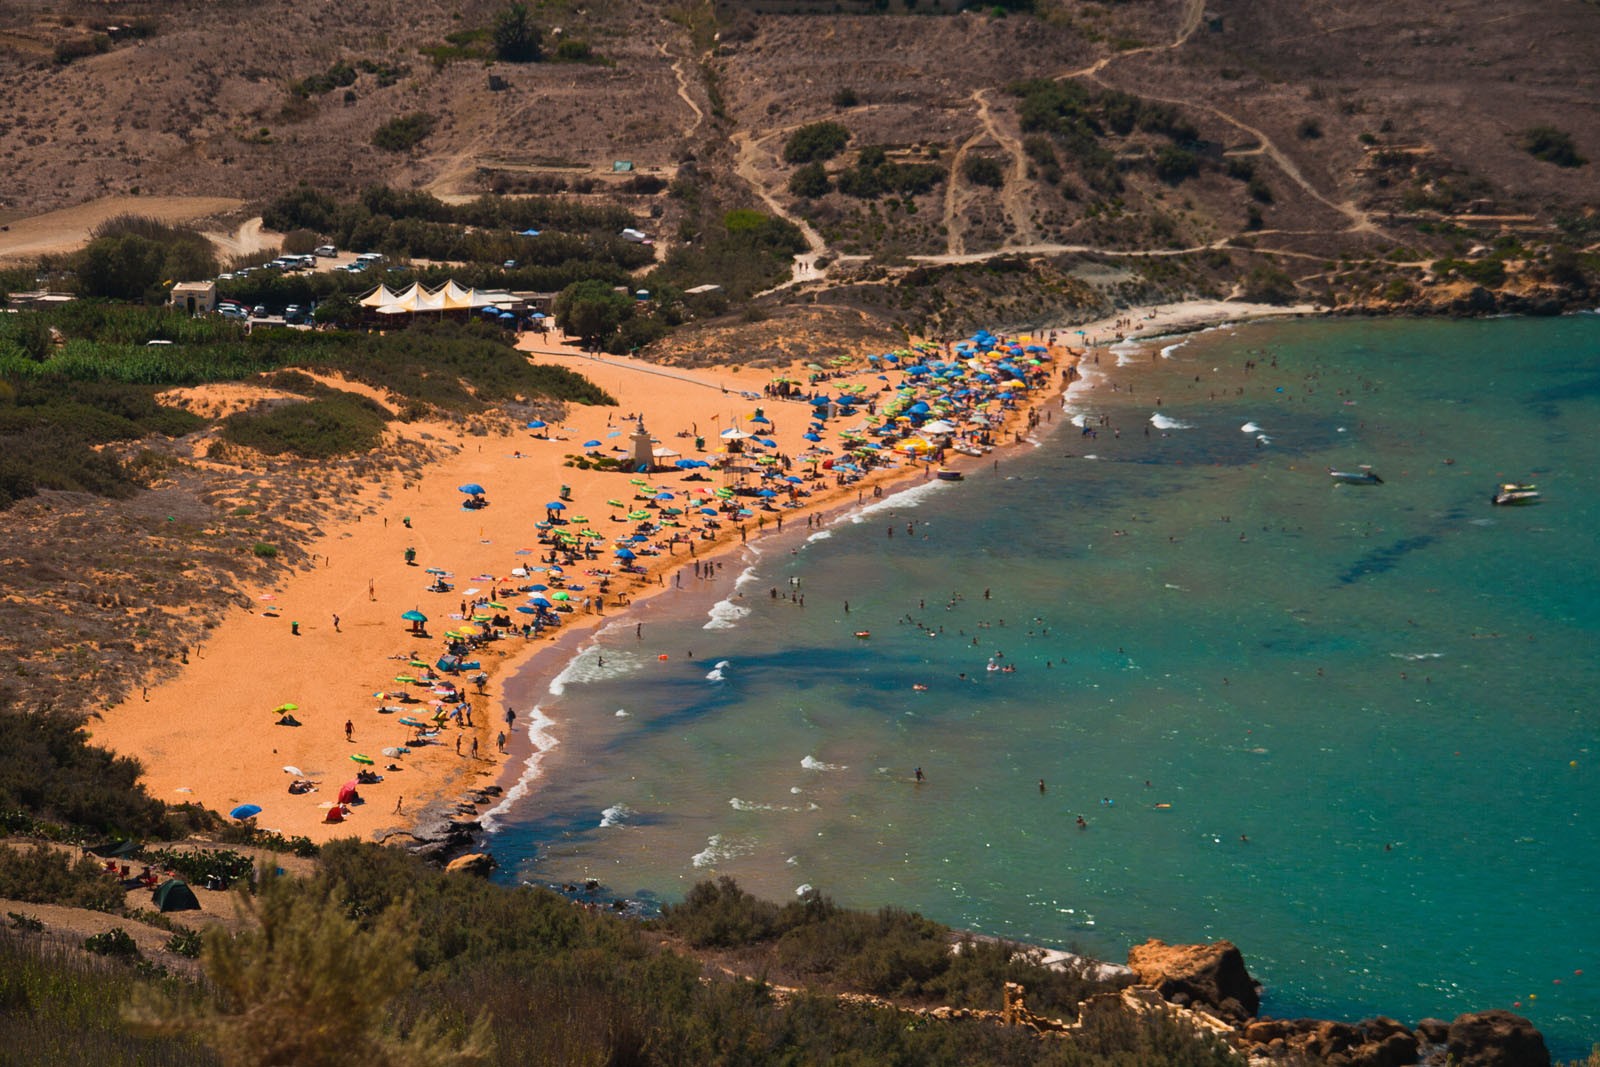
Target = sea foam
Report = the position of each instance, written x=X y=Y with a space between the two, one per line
x=616 y=815
x=540 y=730
x=811 y=763
x=720 y=849
x=1163 y=422
x=725 y=615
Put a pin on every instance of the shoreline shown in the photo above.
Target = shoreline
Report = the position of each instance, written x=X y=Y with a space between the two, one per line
x=249 y=664
x=522 y=773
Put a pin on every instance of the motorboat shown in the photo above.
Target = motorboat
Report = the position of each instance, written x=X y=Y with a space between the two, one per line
x=1362 y=475
x=945 y=474
x=1511 y=494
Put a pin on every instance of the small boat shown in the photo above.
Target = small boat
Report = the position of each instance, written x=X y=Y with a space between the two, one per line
x=1511 y=494
x=967 y=449
x=863 y=634
x=945 y=474
x=1362 y=475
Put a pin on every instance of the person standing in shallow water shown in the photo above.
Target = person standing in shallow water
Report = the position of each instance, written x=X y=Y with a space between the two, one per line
x=920 y=776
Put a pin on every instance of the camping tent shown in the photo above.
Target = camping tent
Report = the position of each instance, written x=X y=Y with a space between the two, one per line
x=175 y=895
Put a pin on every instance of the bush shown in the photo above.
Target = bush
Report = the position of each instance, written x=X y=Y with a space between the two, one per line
x=721 y=915
x=1308 y=129
x=815 y=143
x=262 y=550
x=1269 y=285
x=982 y=170
x=185 y=942
x=575 y=51
x=405 y=132
x=810 y=181
x=1174 y=164
x=51 y=771
x=198 y=866
x=845 y=96
x=319 y=428
x=515 y=37
x=114 y=942
x=1552 y=146
x=40 y=874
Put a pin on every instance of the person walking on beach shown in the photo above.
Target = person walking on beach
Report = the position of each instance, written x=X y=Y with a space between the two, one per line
x=500 y=741
x=474 y=748
x=349 y=731
x=336 y=623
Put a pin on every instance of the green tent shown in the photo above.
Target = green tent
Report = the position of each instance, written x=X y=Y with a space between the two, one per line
x=175 y=895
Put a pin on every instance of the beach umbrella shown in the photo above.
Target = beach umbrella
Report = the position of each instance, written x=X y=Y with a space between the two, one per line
x=724 y=492
x=664 y=495
x=404 y=721
x=638 y=515
x=625 y=553
x=616 y=503
x=472 y=488
x=561 y=595
x=359 y=758
x=813 y=437
x=497 y=605
x=394 y=752
x=555 y=505
x=708 y=511
x=537 y=424
x=245 y=811
x=539 y=602
x=537 y=587
x=671 y=511
x=528 y=611
x=434 y=570
x=591 y=444
x=614 y=433
x=414 y=616
x=281 y=708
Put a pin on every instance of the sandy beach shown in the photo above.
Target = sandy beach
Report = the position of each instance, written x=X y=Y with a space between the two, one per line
x=211 y=734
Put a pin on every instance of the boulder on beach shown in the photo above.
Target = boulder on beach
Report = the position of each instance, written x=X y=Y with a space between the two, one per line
x=1211 y=976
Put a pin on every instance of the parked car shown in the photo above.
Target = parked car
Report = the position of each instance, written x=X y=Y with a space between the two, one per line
x=510 y=264
x=325 y=251
x=369 y=258
x=233 y=311
x=258 y=312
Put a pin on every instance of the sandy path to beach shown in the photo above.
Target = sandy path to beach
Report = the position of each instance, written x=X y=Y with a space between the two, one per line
x=210 y=734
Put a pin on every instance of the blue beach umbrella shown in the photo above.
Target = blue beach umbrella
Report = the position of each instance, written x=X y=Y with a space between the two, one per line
x=555 y=505
x=528 y=611
x=625 y=553
x=471 y=487
x=537 y=424
x=539 y=602
x=591 y=444
x=245 y=811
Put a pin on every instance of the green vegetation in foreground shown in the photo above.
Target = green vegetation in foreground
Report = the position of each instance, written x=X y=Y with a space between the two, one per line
x=378 y=958
x=83 y=375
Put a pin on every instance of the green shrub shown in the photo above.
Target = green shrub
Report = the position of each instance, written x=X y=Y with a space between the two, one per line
x=1552 y=146
x=262 y=550
x=318 y=428
x=982 y=170
x=39 y=874
x=810 y=181
x=516 y=38
x=404 y=132
x=114 y=942
x=52 y=772
x=185 y=942
x=571 y=50
x=721 y=915
x=1174 y=164
x=815 y=143
x=844 y=96
x=200 y=865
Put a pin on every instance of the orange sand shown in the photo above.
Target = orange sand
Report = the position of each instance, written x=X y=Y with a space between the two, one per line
x=210 y=735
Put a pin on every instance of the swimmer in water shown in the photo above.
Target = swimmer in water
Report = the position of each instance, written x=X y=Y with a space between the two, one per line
x=920 y=776
x=1081 y=824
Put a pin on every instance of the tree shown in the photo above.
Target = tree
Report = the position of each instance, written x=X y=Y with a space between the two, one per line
x=304 y=984
x=981 y=170
x=516 y=38
x=810 y=181
x=123 y=267
x=815 y=143
x=592 y=309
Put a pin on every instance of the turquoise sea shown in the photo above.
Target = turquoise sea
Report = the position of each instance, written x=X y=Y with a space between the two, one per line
x=1352 y=729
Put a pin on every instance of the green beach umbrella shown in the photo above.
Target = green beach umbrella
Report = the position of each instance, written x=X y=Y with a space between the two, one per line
x=359 y=758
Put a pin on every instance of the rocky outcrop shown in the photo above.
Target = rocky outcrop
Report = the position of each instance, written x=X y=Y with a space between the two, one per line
x=1496 y=1039
x=1374 y=1043
x=477 y=863
x=1212 y=977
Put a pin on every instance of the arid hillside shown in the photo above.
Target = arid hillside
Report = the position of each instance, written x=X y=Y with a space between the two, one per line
x=1235 y=146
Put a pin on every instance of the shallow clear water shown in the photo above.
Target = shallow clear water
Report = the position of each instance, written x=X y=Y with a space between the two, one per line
x=1365 y=714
